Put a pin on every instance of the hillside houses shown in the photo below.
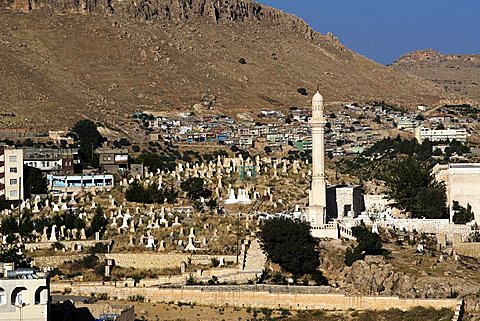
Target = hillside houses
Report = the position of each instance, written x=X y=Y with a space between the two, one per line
x=348 y=131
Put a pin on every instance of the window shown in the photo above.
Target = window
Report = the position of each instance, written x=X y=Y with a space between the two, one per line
x=12 y=159
x=14 y=193
x=13 y=181
x=13 y=169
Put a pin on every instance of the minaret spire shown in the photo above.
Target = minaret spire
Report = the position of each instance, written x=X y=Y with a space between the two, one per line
x=317 y=203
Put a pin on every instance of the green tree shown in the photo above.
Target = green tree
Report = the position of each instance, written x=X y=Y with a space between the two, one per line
x=289 y=243
x=368 y=243
x=99 y=222
x=462 y=215
x=136 y=192
x=195 y=188
x=415 y=190
x=154 y=161
x=88 y=137
x=34 y=180
x=11 y=254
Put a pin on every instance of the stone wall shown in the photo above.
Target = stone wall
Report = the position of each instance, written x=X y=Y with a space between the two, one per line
x=470 y=249
x=56 y=260
x=69 y=245
x=428 y=226
x=144 y=261
x=461 y=181
x=162 y=260
x=262 y=299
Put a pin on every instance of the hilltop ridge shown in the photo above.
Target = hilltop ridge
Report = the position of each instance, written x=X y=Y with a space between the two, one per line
x=65 y=60
x=457 y=74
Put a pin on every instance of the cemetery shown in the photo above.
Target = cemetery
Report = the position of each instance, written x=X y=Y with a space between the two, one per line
x=201 y=223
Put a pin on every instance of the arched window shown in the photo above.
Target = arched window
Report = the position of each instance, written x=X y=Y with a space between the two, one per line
x=41 y=295
x=3 y=297
x=19 y=296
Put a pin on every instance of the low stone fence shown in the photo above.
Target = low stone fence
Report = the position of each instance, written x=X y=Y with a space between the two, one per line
x=260 y=299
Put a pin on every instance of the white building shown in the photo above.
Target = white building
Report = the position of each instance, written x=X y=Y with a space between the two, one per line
x=24 y=295
x=462 y=181
x=77 y=183
x=11 y=173
x=435 y=135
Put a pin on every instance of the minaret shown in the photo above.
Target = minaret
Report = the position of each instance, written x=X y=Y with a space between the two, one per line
x=317 y=202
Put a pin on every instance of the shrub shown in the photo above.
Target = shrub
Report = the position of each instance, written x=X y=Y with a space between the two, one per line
x=215 y=262
x=319 y=278
x=136 y=298
x=368 y=243
x=302 y=91
x=242 y=61
x=58 y=246
x=279 y=278
x=461 y=214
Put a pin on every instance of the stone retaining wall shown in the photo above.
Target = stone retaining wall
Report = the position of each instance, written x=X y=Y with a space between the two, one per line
x=143 y=261
x=261 y=299
x=69 y=245
x=56 y=260
x=162 y=260
x=467 y=249
x=427 y=226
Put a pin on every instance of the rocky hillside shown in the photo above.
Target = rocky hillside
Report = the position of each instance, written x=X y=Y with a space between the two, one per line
x=458 y=74
x=63 y=60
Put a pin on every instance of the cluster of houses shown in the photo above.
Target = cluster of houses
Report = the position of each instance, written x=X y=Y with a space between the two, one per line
x=271 y=128
x=61 y=168
x=349 y=131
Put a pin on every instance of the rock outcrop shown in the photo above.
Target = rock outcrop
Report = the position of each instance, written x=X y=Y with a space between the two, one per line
x=457 y=74
x=218 y=11
x=376 y=276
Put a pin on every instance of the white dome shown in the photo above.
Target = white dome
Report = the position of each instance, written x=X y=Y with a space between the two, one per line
x=317 y=98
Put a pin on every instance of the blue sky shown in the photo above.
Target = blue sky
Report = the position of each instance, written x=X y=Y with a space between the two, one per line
x=384 y=30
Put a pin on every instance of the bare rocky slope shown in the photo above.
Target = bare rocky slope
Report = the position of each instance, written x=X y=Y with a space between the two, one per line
x=458 y=74
x=64 y=60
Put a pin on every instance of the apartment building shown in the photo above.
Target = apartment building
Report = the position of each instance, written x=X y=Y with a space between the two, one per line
x=11 y=173
x=435 y=135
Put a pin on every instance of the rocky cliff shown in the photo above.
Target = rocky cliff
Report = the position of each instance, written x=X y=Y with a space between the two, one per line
x=216 y=11
x=105 y=59
x=405 y=274
x=458 y=74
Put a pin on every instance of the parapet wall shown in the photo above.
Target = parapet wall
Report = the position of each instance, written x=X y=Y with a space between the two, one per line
x=261 y=299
